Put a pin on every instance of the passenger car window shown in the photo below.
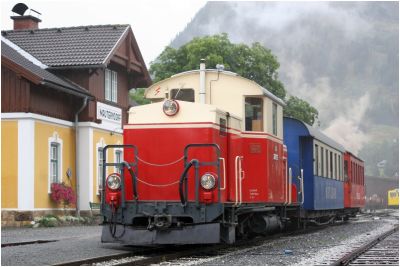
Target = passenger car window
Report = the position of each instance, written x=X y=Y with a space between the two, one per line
x=254 y=114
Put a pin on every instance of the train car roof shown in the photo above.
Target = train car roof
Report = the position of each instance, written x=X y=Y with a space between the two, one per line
x=354 y=156
x=317 y=134
x=228 y=73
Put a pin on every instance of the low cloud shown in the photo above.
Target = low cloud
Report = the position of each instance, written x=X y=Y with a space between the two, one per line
x=346 y=128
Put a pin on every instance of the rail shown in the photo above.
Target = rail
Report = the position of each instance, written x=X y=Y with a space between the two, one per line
x=345 y=260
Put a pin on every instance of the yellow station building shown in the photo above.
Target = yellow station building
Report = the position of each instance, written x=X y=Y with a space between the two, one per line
x=65 y=95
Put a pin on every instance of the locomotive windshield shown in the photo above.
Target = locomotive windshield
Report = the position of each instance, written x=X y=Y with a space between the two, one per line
x=183 y=94
x=254 y=113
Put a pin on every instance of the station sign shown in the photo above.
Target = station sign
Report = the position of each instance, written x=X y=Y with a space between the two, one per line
x=109 y=114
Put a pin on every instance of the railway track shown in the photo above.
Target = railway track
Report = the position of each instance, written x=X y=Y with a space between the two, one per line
x=382 y=250
x=149 y=256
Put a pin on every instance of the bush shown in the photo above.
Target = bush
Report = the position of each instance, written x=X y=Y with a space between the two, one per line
x=48 y=221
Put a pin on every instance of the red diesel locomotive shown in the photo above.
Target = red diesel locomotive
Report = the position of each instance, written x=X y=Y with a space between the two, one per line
x=204 y=163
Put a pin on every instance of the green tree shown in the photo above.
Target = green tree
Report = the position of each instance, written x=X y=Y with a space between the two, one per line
x=138 y=96
x=254 y=62
x=301 y=110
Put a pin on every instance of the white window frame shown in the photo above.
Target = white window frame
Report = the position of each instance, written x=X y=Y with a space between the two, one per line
x=116 y=151
x=110 y=85
x=55 y=139
x=100 y=144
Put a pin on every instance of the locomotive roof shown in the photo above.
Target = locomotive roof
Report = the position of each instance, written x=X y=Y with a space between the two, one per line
x=317 y=134
x=230 y=73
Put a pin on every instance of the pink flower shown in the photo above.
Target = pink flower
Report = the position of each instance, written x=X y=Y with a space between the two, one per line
x=60 y=193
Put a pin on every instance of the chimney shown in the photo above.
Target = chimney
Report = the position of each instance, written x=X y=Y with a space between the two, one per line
x=24 y=22
x=202 y=90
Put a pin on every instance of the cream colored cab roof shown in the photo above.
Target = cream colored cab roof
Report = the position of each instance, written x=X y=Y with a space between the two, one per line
x=222 y=88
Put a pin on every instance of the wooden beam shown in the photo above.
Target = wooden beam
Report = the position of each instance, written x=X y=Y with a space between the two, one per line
x=19 y=70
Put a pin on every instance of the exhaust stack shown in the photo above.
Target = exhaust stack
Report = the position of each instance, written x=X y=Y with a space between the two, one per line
x=202 y=91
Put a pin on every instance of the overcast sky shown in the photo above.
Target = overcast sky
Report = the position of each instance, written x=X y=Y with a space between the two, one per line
x=154 y=22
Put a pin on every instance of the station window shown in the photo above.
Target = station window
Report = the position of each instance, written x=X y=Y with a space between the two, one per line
x=183 y=94
x=322 y=163
x=54 y=163
x=55 y=151
x=110 y=85
x=254 y=114
x=274 y=119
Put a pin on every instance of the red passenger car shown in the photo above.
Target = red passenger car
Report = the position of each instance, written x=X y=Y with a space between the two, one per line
x=354 y=185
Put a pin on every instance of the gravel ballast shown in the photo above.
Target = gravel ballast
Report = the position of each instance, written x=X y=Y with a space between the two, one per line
x=317 y=248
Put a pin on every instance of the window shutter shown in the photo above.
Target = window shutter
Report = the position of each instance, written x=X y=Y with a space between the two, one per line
x=107 y=84
x=114 y=86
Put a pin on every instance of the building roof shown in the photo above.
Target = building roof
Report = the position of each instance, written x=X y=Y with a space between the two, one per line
x=70 y=46
x=37 y=69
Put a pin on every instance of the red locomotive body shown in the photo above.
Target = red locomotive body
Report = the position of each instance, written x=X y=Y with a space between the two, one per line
x=354 y=185
x=255 y=159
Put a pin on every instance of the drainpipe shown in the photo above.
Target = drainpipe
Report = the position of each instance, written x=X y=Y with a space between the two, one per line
x=202 y=90
x=85 y=101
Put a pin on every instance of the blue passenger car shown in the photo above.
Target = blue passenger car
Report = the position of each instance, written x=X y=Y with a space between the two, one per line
x=321 y=160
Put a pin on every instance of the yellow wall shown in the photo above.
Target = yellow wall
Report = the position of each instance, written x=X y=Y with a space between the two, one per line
x=108 y=140
x=9 y=164
x=43 y=131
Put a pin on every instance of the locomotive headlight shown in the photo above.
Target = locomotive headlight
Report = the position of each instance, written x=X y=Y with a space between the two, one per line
x=207 y=181
x=113 y=181
x=170 y=107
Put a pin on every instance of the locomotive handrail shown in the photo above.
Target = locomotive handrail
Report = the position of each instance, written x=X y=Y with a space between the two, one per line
x=238 y=180
x=199 y=164
x=134 y=178
x=121 y=164
x=184 y=179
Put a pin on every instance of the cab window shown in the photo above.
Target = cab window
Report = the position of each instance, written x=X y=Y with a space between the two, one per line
x=254 y=114
x=183 y=94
